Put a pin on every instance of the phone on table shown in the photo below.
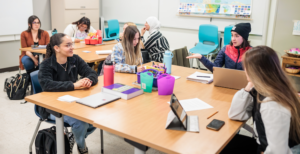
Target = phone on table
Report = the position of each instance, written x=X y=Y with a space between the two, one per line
x=215 y=124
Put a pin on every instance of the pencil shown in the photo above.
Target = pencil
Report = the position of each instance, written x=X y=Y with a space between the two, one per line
x=212 y=115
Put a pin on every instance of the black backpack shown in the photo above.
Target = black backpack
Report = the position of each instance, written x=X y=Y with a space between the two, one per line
x=16 y=86
x=45 y=142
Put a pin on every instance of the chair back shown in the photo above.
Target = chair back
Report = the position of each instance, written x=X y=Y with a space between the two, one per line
x=208 y=32
x=113 y=28
x=35 y=82
x=227 y=35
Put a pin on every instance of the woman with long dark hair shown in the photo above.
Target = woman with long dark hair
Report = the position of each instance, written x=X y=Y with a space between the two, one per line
x=80 y=29
x=59 y=72
x=32 y=36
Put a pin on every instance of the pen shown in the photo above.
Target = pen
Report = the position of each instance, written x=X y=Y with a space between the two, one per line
x=212 y=115
x=204 y=76
x=141 y=63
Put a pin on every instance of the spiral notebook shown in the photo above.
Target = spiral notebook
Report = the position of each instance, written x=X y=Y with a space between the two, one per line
x=201 y=77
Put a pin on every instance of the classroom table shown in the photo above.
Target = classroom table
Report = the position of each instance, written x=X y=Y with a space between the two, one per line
x=78 y=48
x=143 y=119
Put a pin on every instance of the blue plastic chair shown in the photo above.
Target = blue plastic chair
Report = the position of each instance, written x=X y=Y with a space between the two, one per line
x=113 y=29
x=227 y=35
x=37 y=89
x=207 y=33
x=208 y=41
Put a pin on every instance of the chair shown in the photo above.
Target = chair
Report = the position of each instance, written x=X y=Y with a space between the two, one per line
x=113 y=29
x=227 y=35
x=37 y=89
x=208 y=41
x=180 y=57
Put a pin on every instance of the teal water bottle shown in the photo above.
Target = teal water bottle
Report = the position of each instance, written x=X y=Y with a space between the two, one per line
x=54 y=31
x=168 y=60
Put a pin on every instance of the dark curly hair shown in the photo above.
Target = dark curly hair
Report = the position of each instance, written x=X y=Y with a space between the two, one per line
x=56 y=39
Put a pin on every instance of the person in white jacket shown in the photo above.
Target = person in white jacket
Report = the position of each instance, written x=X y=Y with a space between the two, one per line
x=273 y=103
x=79 y=30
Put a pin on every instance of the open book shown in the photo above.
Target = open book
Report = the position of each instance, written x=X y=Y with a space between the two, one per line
x=201 y=77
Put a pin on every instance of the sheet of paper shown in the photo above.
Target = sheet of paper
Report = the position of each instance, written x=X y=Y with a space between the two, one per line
x=86 y=51
x=194 y=104
x=176 y=77
x=296 y=30
x=67 y=98
x=105 y=52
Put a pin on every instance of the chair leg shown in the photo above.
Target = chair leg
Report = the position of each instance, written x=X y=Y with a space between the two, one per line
x=101 y=136
x=34 y=135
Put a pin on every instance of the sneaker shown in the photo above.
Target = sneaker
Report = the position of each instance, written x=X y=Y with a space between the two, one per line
x=83 y=151
x=71 y=141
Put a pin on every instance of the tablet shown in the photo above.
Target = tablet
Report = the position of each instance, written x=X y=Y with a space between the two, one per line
x=178 y=111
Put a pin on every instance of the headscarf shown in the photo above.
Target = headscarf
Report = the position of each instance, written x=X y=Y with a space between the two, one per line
x=153 y=23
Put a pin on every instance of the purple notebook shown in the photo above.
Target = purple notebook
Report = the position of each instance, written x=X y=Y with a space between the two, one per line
x=124 y=91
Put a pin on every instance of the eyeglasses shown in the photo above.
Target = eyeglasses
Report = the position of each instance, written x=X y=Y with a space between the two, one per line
x=36 y=23
x=69 y=45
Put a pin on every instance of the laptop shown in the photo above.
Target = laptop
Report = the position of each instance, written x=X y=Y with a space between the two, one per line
x=229 y=78
x=98 y=99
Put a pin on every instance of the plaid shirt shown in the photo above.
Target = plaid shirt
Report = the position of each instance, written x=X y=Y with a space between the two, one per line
x=119 y=58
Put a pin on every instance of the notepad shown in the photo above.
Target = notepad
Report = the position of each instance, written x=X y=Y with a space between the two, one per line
x=201 y=77
x=67 y=98
x=103 y=52
x=86 y=51
x=176 y=77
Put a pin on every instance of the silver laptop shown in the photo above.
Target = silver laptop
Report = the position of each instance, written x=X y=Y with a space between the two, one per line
x=98 y=99
x=229 y=78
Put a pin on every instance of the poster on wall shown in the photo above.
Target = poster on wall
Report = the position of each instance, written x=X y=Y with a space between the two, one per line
x=218 y=7
x=296 y=29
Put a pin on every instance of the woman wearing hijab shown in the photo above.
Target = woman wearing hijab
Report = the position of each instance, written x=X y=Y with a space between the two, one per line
x=156 y=43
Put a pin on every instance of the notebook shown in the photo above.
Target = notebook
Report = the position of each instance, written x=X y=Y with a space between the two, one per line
x=201 y=77
x=123 y=91
x=104 y=52
x=38 y=47
x=98 y=99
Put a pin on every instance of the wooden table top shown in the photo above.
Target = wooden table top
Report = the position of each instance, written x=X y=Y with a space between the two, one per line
x=143 y=118
x=76 y=46
x=80 y=47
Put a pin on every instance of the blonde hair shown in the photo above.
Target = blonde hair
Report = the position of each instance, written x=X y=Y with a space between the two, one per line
x=130 y=24
x=263 y=68
x=132 y=53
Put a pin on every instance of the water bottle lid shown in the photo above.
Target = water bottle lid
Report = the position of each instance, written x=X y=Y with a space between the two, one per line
x=108 y=62
x=168 y=52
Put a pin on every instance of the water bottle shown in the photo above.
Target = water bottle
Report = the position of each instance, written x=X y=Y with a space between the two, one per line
x=108 y=77
x=168 y=60
x=54 y=31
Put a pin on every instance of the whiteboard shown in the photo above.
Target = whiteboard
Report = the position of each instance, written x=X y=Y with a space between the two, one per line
x=14 y=16
x=136 y=11
x=169 y=18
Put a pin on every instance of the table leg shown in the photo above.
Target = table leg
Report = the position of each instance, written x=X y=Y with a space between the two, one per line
x=41 y=58
x=60 y=141
x=138 y=151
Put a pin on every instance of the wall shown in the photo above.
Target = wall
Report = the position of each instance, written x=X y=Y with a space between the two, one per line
x=287 y=11
x=9 y=55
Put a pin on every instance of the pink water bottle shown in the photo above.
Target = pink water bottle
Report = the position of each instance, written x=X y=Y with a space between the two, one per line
x=108 y=73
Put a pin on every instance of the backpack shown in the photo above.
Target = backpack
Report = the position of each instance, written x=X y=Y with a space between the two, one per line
x=16 y=86
x=45 y=142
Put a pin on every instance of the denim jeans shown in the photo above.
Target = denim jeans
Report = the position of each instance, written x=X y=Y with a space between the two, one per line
x=80 y=129
x=27 y=63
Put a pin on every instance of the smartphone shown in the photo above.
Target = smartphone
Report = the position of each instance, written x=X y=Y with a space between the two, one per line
x=215 y=124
